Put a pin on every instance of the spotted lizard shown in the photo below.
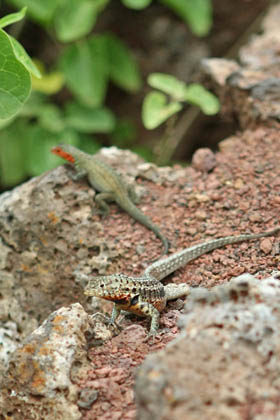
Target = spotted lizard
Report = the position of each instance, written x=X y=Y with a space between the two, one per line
x=146 y=295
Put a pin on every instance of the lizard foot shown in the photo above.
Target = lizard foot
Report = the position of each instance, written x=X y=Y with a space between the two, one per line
x=106 y=320
x=153 y=337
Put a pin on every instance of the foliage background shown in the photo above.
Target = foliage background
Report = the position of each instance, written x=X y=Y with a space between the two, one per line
x=79 y=63
x=94 y=57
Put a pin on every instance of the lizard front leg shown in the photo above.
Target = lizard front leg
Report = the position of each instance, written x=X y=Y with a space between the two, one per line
x=154 y=322
x=115 y=313
x=80 y=173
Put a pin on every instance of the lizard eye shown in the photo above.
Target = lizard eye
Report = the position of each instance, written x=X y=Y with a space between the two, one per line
x=134 y=300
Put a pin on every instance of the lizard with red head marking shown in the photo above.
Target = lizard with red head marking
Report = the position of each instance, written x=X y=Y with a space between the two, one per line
x=110 y=185
x=146 y=295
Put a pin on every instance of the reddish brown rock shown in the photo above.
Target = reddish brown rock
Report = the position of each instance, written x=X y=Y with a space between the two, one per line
x=204 y=160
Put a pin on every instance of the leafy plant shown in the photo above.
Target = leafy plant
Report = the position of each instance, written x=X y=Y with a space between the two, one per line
x=15 y=69
x=169 y=98
x=159 y=106
x=197 y=14
x=41 y=107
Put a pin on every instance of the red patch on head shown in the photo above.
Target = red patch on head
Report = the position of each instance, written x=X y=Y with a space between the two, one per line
x=61 y=153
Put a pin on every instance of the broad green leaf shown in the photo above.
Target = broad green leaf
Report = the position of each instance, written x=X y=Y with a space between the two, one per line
x=86 y=68
x=124 y=70
x=51 y=118
x=24 y=58
x=197 y=14
x=74 y=19
x=12 y=148
x=89 y=120
x=156 y=109
x=41 y=10
x=198 y=95
x=12 y=18
x=168 y=84
x=136 y=4
x=15 y=83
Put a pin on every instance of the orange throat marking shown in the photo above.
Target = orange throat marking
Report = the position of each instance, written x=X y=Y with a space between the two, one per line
x=64 y=155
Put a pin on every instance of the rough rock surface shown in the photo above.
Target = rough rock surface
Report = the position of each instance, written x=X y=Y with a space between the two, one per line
x=50 y=227
x=225 y=364
x=41 y=381
x=249 y=91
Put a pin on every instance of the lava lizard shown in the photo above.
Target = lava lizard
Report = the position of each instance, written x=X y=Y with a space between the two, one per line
x=146 y=295
x=109 y=183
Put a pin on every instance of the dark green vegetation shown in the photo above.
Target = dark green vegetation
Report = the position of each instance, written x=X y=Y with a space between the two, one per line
x=61 y=95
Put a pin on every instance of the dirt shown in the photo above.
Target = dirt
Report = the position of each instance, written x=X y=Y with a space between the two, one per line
x=241 y=194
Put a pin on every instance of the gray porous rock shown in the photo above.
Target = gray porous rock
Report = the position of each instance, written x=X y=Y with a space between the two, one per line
x=225 y=364
x=42 y=379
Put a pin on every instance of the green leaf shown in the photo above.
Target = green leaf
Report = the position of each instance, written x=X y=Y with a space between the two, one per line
x=24 y=58
x=51 y=118
x=15 y=83
x=168 y=84
x=49 y=84
x=41 y=10
x=124 y=70
x=85 y=66
x=89 y=120
x=33 y=106
x=12 y=18
x=75 y=19
x=198 y=95
x=12 y=151
x=156 y=110
x=197 y=14
x=136 y=4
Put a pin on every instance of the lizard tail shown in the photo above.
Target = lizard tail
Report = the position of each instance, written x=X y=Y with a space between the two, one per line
x=136 y=214
x=163 y=268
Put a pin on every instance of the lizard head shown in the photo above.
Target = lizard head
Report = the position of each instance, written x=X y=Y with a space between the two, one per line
x=115 y=287
x=65 y=151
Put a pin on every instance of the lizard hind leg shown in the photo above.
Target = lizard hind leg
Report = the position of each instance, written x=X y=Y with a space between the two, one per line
x=175 y=291
x=143 y=309
x=132 y=194
x=101 y=199
x=147 y=309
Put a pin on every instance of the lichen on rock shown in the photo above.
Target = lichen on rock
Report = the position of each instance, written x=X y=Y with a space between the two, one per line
x=43 y=373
